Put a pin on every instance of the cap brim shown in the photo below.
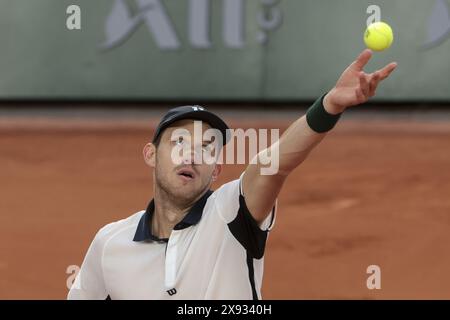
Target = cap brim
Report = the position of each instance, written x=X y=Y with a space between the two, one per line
x=214 y=121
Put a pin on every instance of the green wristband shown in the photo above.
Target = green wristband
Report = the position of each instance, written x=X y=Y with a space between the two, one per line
x=319 y=119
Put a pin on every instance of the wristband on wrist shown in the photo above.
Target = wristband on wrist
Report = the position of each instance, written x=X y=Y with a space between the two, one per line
x=319 y=119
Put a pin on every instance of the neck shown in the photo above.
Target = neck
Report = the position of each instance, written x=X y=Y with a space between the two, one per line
x=168 y=212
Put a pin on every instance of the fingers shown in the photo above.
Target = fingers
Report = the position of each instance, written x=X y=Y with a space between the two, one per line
x=360 y=97
x=378 y=76
x=368 y=83
x=364 y=84
x=373 y=83
x=362 y=60
x=387 y=70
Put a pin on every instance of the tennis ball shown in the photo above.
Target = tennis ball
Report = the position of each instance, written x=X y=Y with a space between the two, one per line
x=378 y=36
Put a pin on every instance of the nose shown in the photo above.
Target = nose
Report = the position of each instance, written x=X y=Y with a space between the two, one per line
x=192 y=155
x=188 y=160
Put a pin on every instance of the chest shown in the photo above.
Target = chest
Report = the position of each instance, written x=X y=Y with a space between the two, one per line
x=151 y=270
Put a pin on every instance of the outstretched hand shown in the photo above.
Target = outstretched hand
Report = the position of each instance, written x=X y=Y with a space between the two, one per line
x=355 y=86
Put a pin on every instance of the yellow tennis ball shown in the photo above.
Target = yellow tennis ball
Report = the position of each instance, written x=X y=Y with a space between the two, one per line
x=378 y=36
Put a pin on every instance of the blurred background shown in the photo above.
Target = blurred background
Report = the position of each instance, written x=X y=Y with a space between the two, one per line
x=83 y=84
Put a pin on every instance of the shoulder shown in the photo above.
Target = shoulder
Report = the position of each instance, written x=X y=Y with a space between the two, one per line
x=226 y=200
x=231 y=205
x=229 y=201
x=113 y=229
x=227 y=191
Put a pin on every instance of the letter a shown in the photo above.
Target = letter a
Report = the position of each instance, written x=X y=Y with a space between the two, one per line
x=374 y=281
x=73 y=21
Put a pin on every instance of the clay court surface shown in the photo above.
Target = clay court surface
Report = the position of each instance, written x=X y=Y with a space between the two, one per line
x=375 y=192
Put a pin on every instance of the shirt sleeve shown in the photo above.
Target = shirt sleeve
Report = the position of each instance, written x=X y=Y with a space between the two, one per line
x=89 y=283
x=231 y=205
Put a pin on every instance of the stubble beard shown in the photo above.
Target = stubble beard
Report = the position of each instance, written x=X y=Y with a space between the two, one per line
x=178 y=197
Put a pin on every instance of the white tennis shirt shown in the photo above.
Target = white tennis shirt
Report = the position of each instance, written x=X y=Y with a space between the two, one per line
x=215 y=252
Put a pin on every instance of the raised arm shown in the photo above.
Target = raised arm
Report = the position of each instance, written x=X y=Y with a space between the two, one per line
x=353 y=87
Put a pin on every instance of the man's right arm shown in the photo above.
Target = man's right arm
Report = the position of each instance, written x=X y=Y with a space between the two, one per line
x=89 y=283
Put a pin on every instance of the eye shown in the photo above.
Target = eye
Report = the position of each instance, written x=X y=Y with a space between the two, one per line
x=179 y=141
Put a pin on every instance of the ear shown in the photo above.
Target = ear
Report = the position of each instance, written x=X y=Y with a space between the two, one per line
x=149 y=153
x=216 y=172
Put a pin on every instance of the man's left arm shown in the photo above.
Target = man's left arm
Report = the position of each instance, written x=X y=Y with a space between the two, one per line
x=353 y=87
